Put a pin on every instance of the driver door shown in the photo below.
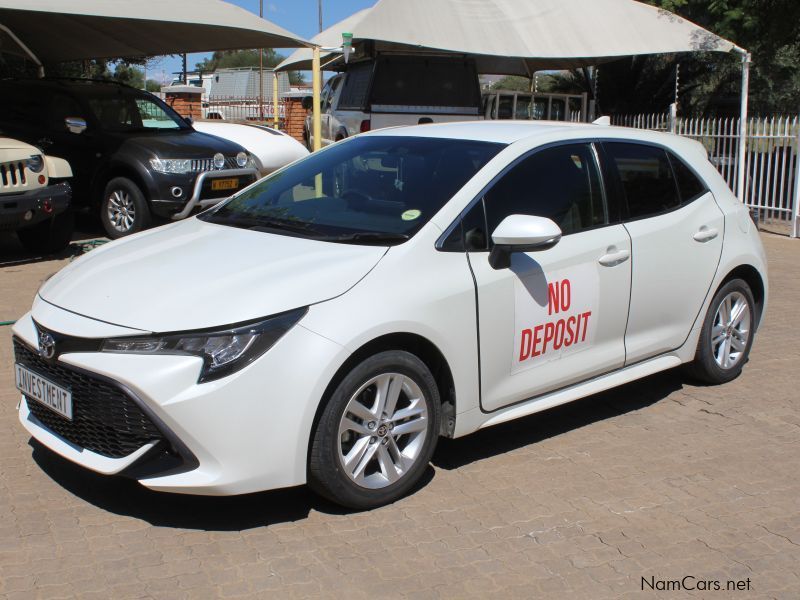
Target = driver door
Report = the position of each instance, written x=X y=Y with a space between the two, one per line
x=556 y=317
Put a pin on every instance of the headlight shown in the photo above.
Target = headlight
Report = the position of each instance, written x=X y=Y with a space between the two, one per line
x=174 y=166
x=242 y=160
x=35 y=164
x=224 y=351
x=219 y=161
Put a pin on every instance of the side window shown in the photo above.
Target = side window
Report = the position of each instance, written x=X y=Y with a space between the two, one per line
x=689 y=185
x=560 y=183
x=470 y=233
x=645 y=173
x=326 y=95
x=334 y=86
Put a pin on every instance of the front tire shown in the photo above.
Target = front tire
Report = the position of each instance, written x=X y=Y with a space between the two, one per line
x=50 y=236
x=123 y=209
x=727 y=334
x=377 y=433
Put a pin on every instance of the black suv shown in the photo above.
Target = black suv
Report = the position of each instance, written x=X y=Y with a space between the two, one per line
x=132 y=156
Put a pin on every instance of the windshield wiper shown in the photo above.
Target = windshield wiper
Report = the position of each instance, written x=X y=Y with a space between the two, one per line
x=369 y=237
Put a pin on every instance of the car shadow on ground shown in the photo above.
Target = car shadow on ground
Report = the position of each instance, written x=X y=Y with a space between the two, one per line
x=126 y=497
x=87 y=235
x=452 y=454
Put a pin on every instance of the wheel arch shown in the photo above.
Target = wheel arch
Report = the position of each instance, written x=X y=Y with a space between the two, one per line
x=420 y=347
x=750 y=275
x=113 y=171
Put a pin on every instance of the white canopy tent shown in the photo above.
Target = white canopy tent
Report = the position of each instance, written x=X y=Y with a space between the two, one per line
x=520 y=37
x=49 y=31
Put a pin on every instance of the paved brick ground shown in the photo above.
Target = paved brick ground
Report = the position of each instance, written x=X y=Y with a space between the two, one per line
x=657 y=479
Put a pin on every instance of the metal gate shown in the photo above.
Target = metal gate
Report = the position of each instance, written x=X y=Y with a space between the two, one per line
x=772 y=168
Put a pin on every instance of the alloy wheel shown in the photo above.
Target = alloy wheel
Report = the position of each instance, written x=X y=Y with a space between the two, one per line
x=730 y=331
x=121 y=211
x=382 y=430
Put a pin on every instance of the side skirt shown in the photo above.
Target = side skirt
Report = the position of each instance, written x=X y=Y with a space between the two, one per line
x=581 y=390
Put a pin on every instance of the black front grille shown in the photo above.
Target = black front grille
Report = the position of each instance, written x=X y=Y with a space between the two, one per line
x=105 y=419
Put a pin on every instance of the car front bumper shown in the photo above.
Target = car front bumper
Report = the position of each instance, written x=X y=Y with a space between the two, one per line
x=33 y=206
x=197 y=192
x=247 y=432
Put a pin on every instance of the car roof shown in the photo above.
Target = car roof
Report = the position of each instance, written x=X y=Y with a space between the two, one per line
x=509 y=132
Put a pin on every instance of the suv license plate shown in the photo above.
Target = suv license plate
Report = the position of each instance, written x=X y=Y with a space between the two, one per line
x=224 y=184
x=46 y=392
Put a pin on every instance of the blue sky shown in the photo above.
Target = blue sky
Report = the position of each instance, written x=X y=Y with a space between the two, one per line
x=298 y=16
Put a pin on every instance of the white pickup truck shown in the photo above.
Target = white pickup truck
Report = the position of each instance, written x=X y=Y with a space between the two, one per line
x=396 y=90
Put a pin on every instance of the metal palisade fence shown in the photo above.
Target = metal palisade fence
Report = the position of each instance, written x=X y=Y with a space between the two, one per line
x=772 y=168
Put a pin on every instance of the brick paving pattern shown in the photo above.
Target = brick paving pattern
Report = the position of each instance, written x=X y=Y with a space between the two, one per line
x=658 y=479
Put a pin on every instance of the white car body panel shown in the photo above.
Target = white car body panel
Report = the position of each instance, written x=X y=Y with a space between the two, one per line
x=517 y=299
x=670 y=287
x=272 y=149
x=250 y=430
x=110 y=283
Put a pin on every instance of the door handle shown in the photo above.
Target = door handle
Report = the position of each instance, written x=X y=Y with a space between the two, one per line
x=705 y=234
x=614 y=258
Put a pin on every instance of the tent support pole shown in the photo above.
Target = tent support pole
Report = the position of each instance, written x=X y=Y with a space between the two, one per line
x=742 y=176
x=31 y=55
x=316 y=83
x=275 y=99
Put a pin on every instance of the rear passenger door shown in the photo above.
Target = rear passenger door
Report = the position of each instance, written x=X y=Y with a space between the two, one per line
x=676 y=231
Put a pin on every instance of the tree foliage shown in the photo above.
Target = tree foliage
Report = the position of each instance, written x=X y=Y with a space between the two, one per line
x=709 y=82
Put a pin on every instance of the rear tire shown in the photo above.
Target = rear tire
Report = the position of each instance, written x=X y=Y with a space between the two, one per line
x=727 y=335
x=377 y=433
x=123 y=209
x=49 y=236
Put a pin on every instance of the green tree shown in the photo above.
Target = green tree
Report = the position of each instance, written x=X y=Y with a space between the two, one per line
x=709 y=82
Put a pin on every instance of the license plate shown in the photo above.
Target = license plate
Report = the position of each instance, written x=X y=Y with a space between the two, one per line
x=224 y=184
x=46 y=392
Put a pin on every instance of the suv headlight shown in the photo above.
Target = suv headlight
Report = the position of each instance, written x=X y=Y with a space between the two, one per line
x=223 y=351
x=242 y=159
x=35 y=164
x=174 y=166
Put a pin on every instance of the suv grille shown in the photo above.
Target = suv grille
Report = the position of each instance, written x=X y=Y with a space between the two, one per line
x=105 y=419
x=12 y=174
x=201 y=165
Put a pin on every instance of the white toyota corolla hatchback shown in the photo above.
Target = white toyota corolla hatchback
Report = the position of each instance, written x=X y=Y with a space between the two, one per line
x=328 y=324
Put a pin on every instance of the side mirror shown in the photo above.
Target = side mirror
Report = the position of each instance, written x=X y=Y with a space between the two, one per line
x=521 y=233
x=75 y=125
x=307 y=102
x=189 y=121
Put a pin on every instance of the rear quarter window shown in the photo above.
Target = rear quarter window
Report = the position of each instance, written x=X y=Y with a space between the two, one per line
x=690 y=186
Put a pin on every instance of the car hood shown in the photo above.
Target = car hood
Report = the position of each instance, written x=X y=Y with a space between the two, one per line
x=12 y=144
x=194 y=275
x=182 y=144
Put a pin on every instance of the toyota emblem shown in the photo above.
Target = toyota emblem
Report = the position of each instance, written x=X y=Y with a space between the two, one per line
x=47 y=345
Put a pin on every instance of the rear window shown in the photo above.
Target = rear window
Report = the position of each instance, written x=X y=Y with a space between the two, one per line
x=426 y=82
x=356 y=86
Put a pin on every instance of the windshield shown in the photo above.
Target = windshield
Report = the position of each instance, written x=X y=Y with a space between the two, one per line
x=122 y=112
x=374 y=188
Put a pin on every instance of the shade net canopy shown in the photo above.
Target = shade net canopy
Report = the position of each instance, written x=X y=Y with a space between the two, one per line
x=60 y=30
x=517 y=37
